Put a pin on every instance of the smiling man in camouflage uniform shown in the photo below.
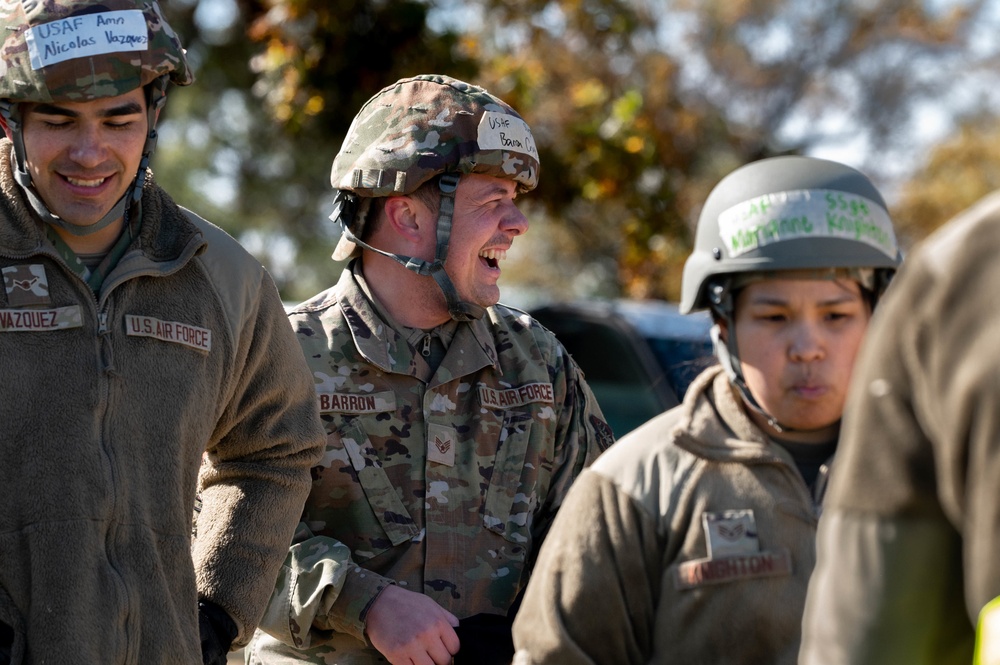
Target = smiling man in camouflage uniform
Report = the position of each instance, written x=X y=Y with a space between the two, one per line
x=455 y=425
x=135 y=338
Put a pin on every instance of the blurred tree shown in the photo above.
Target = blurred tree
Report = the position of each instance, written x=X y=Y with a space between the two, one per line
x=251 y=143
x=639 y=107
x=959 y=172
x=643 y=106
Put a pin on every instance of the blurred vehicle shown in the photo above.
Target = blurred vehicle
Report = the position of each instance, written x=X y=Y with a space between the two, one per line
x=639 y=356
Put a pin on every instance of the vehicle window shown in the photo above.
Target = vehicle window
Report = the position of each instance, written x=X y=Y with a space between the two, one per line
x=682 y=360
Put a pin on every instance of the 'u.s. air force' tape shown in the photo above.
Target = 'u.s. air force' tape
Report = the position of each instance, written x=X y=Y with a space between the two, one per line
x=86 y=36
x=175 y=332
x=805 y=213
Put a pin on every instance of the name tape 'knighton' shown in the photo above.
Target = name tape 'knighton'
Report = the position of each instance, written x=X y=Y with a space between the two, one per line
x=85 y=36
x=805 y=213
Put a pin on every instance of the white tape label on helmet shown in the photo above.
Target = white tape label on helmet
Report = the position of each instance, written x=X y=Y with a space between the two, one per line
x=502 y=131
x=86 y=36
x=806 y=213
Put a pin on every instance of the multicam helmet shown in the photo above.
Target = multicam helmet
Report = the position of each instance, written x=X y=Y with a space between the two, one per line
x=414 y=130
x=78 y=50
x=81 y=50
x=419 y=127
x=781 y=214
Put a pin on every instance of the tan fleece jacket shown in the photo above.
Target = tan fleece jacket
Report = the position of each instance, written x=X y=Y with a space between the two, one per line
x=689 y=541
x=909 y=550
x=107 y=405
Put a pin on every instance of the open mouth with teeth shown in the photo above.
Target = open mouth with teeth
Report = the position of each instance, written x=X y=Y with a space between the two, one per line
x=493 y=257
x=80 y=182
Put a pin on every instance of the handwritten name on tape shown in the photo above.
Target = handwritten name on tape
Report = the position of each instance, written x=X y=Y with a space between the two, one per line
x=86 y=36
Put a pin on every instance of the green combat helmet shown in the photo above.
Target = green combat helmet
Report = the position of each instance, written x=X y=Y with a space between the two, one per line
x=780 y=214
x=80 y=50
x=417 y=129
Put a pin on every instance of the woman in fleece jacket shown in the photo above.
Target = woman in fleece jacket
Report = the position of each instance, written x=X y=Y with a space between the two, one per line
x=692 y=539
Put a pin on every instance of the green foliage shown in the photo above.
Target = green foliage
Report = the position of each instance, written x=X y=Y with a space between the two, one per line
x=960 y=171
x=251 y=143
x=638 y=108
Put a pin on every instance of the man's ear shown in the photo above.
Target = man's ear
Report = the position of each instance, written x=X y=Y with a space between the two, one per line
x=402 y=213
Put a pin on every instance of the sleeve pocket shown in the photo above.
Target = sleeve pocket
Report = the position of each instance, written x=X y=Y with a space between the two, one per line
x=381 y=495
x=510 y=499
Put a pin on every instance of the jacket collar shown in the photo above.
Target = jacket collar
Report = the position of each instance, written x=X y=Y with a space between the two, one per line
x=717 y=427
x=378 y=339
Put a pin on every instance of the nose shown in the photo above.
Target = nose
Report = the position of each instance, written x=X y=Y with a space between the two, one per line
x=89 y=147
x=806 y=343
x=514 y=222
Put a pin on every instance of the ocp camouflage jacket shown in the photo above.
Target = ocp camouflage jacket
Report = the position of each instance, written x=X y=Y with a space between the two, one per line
x=107 y=405
x=691 y=541
x=443 y=484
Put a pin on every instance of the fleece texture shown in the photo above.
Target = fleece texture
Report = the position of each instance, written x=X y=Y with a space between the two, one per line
x=908 y=552
x=627 y=574
x=183 y=356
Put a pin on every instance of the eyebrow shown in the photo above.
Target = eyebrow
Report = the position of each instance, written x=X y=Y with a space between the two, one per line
x=128 y=108
x=782 y=302
x=498 y=190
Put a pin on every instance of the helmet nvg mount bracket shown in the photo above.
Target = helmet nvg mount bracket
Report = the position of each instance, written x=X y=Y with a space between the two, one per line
x=415 y=130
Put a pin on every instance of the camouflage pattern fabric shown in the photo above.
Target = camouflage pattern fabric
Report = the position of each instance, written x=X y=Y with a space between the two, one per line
x=87 y=54
x=419 y=127
x=442 y=482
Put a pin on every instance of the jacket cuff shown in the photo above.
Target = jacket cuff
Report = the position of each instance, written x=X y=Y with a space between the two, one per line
x=361 y=589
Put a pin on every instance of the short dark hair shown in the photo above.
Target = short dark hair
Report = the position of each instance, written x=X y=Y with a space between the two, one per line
x=428 y=193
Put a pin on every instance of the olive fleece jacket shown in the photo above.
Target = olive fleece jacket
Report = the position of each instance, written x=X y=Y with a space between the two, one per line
x=909 y=548
x=689 y=541
x=108 y=405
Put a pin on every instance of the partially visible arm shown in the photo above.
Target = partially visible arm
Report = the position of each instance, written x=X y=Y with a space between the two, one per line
x=256 y=475
x=592 y=595
x=888 y=585
x=881 y=593
x=401 y=624
x=582 y=434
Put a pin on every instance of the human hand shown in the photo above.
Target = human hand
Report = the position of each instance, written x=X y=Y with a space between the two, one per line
x=408 y=627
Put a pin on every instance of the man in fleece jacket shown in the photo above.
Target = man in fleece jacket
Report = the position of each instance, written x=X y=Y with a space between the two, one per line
x=136 y=339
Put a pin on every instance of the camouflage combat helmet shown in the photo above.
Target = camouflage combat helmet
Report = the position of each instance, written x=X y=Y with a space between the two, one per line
x=780 y=214
x=80 y=50
x=415 y=130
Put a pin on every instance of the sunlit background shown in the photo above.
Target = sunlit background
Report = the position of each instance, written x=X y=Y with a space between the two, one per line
x=638 y=107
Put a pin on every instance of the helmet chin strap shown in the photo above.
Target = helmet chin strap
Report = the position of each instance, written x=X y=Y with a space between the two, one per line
x=155 y=98
x=458 y=309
